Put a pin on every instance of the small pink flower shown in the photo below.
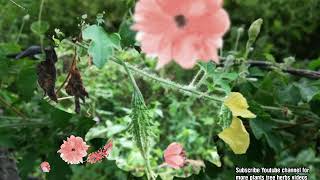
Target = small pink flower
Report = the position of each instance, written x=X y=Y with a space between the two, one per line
x=45 y=166
x=183 y=30
x=108 y=146
x=95 y=157
x=73 y=150
x=175 y=156
x=100 y=154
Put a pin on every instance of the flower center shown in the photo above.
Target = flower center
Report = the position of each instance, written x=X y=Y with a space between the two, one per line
x=180 y=20
x=73 y=149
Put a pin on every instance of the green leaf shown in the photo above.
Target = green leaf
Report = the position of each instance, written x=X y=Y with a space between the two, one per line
x=254 y=31
x=307 y=91
x=262 y=127
x=315 y=104
x=128 y=36
x=104 y=131
x=59 y=169
x=209 y=67
x=224 y=117
x=314 y=65
x=27 y=82
x=6 y=139
x=40 y=27
x=96 y=132
x=115 y=38
x=213 y=156
x=288 y=95
x=4 y=66
x=102 y=46
x=27 y=163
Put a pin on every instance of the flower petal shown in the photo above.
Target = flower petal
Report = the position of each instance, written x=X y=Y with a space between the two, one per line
x=45 y=166
x=174 y=7
x=216 y=23
x=197 y=37
x=184 y=52
x=175 y=162
x=73 y=150
x=173 y=149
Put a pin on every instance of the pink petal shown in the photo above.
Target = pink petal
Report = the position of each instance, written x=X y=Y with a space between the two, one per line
x=184 y=52
x=173 y=149
x=201 y=8
x=216 y=24
x=45 y=166
x=151 y=43
x=174 y=7
x=73 y=150
x=150 y=19
x=197 y=38
x=175 y=161
x=165 y=56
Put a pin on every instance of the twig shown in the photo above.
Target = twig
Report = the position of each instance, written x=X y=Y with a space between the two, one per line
x=15 y=110
x=13 y=125
x=69 y=73
x=297 y=72
x=17 y=4
x=13 y=118
x=294 y=125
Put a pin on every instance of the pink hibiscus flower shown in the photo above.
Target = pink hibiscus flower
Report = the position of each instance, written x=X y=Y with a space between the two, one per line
x=45 y=166
x=182 y=30
x=174 y=156
x=100 y=154
x=73 y=150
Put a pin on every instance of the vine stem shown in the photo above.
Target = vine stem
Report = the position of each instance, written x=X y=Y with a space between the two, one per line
x=195 y=78
x=169 y=83
x=133 y=81
x=17 y=4
x=145 y=155
x=239 y=33
x=204 y=77
x=20 y=30
x=39 y=19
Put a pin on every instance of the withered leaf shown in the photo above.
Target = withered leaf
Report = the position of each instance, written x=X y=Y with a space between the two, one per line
x=46 y=72
x=75 y=88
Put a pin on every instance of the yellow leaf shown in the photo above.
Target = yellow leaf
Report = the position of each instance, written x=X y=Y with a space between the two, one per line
x=238 y=105
x=236 y=136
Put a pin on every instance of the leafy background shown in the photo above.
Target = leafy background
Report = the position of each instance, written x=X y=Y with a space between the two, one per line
x=285 y=132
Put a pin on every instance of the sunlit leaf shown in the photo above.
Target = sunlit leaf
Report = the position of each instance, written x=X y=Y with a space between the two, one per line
x=236 y=136
x=213 y=156
x=238 y=105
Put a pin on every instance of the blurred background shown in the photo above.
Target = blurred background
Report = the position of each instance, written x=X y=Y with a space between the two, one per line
x=291 y=27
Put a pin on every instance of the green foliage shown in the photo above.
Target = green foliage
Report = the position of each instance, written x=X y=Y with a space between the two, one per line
x=39 y=27
x=128 y=35
x=102 y=46
x=284 y=133
x=289 y=26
